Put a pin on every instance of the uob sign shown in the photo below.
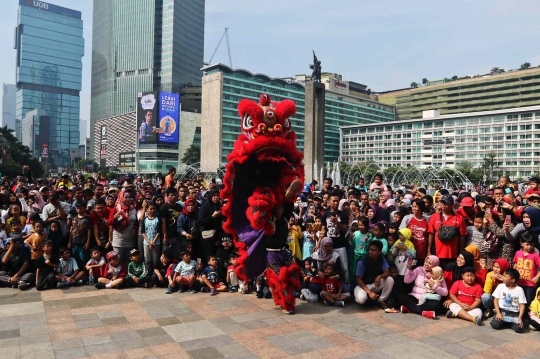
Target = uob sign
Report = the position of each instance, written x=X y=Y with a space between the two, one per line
x=39 y=4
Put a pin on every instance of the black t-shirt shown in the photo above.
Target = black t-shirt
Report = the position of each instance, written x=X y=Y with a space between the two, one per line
x=45 y=269
x=17 y=260
x=332 y=230
x=279 y=238
x=170 y=213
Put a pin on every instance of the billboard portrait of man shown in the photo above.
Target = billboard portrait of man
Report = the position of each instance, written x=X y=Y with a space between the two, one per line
x=146 y=118
x=146 y=131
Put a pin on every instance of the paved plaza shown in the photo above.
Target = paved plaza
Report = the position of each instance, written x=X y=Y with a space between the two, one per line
x=83 y=322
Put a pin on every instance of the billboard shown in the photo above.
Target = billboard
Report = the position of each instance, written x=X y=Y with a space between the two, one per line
x=158 y=115
x=44 y=150
x=169 y=114
x=146 y=118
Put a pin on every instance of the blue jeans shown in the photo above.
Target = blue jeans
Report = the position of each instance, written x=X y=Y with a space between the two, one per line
x=487 y=301
x=80 y=254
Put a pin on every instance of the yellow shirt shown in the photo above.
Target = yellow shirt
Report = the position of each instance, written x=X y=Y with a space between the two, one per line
x=491 y=283
x=295 y=234
x=8 y=223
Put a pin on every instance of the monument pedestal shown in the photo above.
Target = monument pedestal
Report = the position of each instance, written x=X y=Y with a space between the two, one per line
x=314 y=129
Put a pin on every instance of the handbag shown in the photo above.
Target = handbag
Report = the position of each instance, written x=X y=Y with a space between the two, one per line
x=446 y=233
x=492 y=242
x=208 y=234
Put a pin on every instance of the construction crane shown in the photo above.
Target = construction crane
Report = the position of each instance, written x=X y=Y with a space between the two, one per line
x=225 y=35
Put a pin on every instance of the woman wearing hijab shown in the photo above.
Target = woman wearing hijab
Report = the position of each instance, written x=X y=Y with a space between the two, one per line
x=210 y=218
x=123 y=220
x=477 y=264
x=55 y=235
x=534 y=312
x=420 y=276
x=373 y=213
x=186 y=223
x=531 y=223
x=345 y=207
x=39 y=203
x=453 y=270
x=493 y=279
x=110 y=201
x=324 y=255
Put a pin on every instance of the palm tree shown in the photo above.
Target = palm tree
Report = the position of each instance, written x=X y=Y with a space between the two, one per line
x=424 y=81
x=525 y=66
x=414 y=85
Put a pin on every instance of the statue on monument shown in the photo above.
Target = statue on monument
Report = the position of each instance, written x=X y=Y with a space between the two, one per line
x=316 y=67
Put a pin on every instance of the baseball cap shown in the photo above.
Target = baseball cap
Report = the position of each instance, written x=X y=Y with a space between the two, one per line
x=134 y=251
x=467 y=202
x=447 y=198
x=129 y=175
x=111 y=255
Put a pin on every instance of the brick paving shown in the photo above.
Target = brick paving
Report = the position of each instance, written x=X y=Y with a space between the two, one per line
x=82 y=322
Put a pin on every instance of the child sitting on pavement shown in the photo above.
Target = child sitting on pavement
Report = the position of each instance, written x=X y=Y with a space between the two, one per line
x=95 y=264
x=68 y=272
x=235 y=284
x=137 y=271
x=46 y=266
x=510 y=303
x=437 y=275
x=113 y=274
x=332 y=288
x=185 y=273
x=465 y=298
x=210 y=278
x=163 y=273
x=534 y=313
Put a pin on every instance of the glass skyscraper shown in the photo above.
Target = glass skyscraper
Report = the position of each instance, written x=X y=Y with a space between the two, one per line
x=143 y=46
x=50 y=46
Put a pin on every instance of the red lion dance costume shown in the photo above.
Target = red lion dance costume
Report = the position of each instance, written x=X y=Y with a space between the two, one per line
x=264 y=174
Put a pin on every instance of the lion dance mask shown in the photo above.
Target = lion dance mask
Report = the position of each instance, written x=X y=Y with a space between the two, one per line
x=264 y=174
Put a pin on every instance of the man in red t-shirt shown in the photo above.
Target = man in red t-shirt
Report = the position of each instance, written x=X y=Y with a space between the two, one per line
x=465 y=298
x=446 y=251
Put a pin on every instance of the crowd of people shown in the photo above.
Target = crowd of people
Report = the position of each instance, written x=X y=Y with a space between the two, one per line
x=464 y=254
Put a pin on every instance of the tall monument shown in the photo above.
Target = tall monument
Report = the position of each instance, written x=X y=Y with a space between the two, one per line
x=314 y=122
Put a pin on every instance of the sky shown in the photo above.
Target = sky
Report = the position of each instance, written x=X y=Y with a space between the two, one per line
x=383 y=44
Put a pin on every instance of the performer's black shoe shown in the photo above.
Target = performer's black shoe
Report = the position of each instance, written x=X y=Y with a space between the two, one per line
x=293 y=189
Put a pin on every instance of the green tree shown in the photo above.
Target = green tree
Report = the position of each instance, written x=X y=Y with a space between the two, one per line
x=496 y=70
x=465 y=167
x=414 y=85
x=192 y=155
x=424 y=81
x=525 y=66
x=490 y=163
x=454 y=78
x=16 y=155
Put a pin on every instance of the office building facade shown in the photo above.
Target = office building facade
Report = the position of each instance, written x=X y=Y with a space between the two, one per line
x=223 y=88
x=446 y=140
x=117 y=139
x=513 y=89
x=155 y=45
x=50 y=45
x=9 y=93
